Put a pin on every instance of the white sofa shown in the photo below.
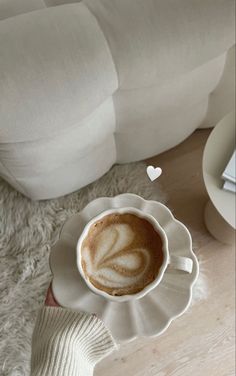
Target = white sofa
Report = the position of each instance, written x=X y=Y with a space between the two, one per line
x=89 y=84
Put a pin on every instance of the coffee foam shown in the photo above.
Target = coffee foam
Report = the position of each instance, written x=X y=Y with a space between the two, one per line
x=121 y=254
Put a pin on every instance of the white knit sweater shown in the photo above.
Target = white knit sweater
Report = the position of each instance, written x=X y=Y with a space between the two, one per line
x=68 y=343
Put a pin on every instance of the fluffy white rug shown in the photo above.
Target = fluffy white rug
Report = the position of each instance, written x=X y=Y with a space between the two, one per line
x=27 y=231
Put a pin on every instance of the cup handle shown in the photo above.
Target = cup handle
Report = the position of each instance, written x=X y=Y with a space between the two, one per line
x=183 y=264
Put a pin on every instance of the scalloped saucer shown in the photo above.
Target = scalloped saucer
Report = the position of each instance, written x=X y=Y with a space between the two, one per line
x=148 y=316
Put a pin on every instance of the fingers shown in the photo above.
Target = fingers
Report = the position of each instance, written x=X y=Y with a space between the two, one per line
x=50 y=301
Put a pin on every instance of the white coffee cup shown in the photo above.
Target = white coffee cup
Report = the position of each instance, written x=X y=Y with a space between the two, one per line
x=180 y=263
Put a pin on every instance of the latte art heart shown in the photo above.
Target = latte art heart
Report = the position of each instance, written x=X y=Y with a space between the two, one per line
x=111 y=265
x=121 y=254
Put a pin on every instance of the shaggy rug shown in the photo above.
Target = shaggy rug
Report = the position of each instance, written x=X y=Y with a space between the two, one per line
x=27 y=231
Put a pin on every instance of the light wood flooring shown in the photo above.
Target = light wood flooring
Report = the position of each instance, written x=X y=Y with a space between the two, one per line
x=202 y=341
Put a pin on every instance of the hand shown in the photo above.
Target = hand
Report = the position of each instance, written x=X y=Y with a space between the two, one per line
x=50 y=300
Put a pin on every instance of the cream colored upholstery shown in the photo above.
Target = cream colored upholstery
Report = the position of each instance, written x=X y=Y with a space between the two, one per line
x=89 y=84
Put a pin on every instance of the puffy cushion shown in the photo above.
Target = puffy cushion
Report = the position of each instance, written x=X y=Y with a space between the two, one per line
x=163 y=113
x=154 y=41
x=56 y=68
x=89 y=84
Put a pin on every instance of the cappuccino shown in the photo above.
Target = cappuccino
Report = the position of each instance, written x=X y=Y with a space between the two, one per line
x=121 y=254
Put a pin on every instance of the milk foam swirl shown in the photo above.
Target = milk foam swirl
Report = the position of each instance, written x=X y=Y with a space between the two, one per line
x=116 y=264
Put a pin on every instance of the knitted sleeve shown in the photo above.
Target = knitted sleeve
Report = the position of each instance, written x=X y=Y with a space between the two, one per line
x=68 y=343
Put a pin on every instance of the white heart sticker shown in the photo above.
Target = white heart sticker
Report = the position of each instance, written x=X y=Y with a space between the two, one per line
x=154 y=173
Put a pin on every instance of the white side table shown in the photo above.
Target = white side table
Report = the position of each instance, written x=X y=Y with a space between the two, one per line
x=220 y=209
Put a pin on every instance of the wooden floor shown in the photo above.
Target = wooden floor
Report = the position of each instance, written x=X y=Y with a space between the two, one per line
x=202 y=341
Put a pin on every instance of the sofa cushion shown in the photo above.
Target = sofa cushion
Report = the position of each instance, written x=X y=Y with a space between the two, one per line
x=161 y=40
x=55 y=70
x=163 y=113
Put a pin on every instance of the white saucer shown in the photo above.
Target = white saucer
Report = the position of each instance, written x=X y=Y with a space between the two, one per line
x=152 y=314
